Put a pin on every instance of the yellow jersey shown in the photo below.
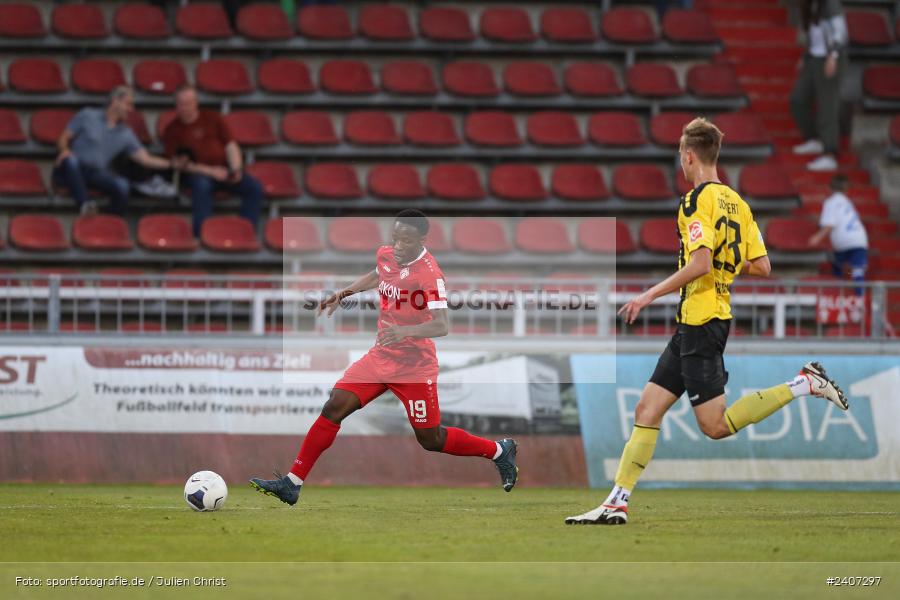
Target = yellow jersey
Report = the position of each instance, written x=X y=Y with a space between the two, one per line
x=714 y=216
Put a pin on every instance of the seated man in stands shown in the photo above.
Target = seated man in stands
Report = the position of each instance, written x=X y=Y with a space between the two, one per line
x=214 y=160
x=842 y=224
x=90 y=143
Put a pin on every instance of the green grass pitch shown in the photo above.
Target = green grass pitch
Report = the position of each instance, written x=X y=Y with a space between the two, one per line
x=390 y=542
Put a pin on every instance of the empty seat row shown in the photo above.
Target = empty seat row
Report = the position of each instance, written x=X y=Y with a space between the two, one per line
x=540 y=235
x=427 y=129
x=377 y=22
x=871 y=28
x=882 y=82
x=352 y=77
x=576 y=182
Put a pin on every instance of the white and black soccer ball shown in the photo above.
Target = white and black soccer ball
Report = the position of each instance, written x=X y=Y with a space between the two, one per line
x=205 y=491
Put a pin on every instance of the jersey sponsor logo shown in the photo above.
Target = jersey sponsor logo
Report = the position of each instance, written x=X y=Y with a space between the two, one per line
x=389 y=290
x=695 y=231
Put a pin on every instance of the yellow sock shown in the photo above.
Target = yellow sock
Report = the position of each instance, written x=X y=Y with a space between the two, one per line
x=755 y=407
x=636 y=455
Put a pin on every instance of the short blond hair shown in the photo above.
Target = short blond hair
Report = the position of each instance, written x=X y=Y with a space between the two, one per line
x=704 y=138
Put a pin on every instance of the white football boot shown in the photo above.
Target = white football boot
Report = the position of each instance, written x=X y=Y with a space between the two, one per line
x=823 y=386
x=604 y=514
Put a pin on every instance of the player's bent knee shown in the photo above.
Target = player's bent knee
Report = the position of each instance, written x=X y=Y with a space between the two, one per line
x=715 y=431
x=429 y=440
x=340 y=405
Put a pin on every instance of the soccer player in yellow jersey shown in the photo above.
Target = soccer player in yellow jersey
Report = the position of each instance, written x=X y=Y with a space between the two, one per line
x=718 y=240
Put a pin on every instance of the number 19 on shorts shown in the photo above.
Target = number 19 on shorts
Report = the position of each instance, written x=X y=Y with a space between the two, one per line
x=417 y=409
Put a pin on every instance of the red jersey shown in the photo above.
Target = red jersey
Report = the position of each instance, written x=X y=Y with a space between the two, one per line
x=206 y=138
x=408 y=293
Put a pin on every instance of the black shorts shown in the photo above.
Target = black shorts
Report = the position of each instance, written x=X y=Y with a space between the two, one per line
x=693 y=361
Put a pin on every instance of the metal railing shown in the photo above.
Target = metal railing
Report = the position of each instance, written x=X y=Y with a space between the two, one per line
x=260 y=305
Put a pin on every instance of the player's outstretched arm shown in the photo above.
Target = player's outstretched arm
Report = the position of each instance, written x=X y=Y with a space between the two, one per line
x=438 y=326
x=369 y=281
x=700 y=265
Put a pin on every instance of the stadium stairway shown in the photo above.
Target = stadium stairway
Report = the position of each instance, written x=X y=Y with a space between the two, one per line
x=761 y=44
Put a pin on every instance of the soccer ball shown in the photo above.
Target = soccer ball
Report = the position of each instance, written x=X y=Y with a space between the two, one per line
x=205 y=490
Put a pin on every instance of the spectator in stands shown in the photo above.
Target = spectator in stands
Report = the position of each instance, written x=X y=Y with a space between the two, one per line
x=89 y=144
x=819 y=81
x=200 y=143
x=848 y=235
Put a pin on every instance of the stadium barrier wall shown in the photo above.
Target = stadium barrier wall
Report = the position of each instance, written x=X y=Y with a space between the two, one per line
x=809 y=443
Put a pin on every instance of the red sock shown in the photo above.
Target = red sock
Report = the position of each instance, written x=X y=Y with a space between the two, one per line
x=462 y=443
x=318 y=439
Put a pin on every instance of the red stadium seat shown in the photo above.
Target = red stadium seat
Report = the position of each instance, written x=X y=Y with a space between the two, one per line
x=455 y=181
x=203 y=21
x=554 y=129
x=166 y=233
x=159 y=76
x=38 y=233
x=436 y=240
x=430 y=128
x=385 y=23
x=20 y=178
x=21 y=20
x=354 y=234
x=480 y=236
x=642 y=182
x=604 y=236
x=653 y=80
x=371 y=128
x=78 y=21
x=446 y=24
x=567 y=25
x=868 y=28
x=408 y=78
x=324 y=23
x=97 y=75
x=346 y=77
x=251 y=128
x=101 y=232
x=790 y=235
x=293 y=234
x=284 y=76
x=688 y=27
x=263 y=21
x=880 y=81
x=145 y=326
x=11 y=131
x=628 y=26
x=395 y=182
x=47 y=124
x=162 y=122
x=187 y=278
x=895 y=130
x=543 y=235
x=579 y=182
x=122 y=277
x=621 y=129
x=207 y=326
x=141 y=21
x=517 y=183
x=660 y=235
x=592 y=80
x=492 y=128
x=683 y=187
x=309 y=128
x=766 y=181
x=223 y=76
x=666 y=128
x=742 y=129
x=507 y=24
x=333 y=181
x=36 y=76
x=470 y=79
x=529 y=78
x=228 y=233
x=276 y=178
x=715 y=80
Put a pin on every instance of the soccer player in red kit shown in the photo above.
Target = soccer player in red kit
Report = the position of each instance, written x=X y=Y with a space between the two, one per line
x=403 y=360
